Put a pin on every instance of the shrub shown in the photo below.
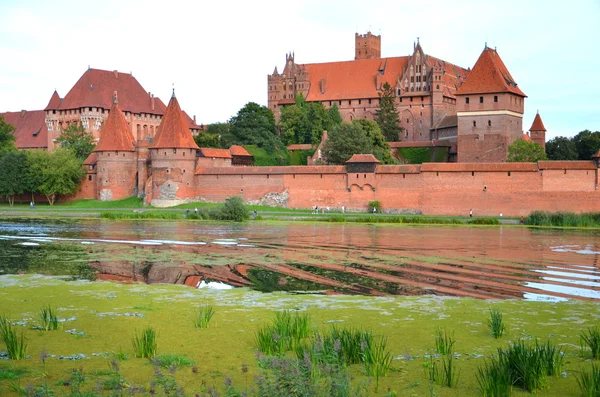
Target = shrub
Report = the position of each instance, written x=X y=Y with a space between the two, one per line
x=145 y=345
x=16 y=345
x=203 y=315
x=495 y=324
x=375 y=205
x=233 y=210
x=591 y=339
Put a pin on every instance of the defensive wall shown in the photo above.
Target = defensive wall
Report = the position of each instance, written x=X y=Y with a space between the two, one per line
x=514 y=189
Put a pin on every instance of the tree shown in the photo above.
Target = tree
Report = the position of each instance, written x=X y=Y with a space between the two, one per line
x=204 y=139
x=13 y=171
x=37 y=161
x=587 y=144
x=335 y=118
x=381 y=149
x=561 y=148
x=7 y=137
x=525 y=151
x=76 y=139
x=387 y=114
x=344 y=141
x=255 y=125
x=60 y=173
x=291 y=123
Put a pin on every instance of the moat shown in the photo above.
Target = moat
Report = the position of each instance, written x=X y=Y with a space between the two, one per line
x=480 y=262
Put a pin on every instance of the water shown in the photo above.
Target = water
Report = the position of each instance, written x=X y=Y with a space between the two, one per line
x=488 y=263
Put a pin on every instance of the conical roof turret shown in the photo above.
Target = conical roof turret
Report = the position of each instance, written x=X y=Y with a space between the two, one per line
x=54 y=102
x=173 y=131
x=537 y=125
x=115 y=134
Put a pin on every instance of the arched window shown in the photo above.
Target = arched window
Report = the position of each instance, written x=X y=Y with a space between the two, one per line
x=474 y=123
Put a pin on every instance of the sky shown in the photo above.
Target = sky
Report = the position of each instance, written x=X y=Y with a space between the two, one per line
x=217 y=54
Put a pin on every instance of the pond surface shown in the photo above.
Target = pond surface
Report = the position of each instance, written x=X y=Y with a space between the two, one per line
x=481 y=262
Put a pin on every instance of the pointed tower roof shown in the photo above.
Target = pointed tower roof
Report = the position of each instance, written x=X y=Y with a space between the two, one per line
x=537 y=125
x=173 y=131
x=115 y=134
x=489 y=75
x=54 y=102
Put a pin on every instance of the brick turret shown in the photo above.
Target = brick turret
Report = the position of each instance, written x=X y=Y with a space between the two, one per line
x=537 y=132
x=367 y=46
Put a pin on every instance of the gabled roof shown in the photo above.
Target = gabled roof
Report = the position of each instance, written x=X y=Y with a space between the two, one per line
x=363 y=158
x=54 y=101
x=95 y=89
x=537 y=125
x=215 y=153
x=237 y=150
x=30 y=128
x=489 y=75
x=115 y=134
x=173 y=131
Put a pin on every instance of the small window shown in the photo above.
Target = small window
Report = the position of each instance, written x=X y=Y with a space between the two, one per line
x=480 y=99
x=489 y=123
x=508 y=173
x=359 y=101
x=474 y=123
x=495 y=98
x=89 y=177
x=467 y=100
x=472 y=173
x=411 y=99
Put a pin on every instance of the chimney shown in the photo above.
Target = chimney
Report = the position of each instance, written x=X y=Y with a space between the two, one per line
x=323 y=84
x=152 y=101
x=194 y=119
x=116 y=73
x=23 y=111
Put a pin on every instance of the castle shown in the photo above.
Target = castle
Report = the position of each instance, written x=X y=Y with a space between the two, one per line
x=477 y=113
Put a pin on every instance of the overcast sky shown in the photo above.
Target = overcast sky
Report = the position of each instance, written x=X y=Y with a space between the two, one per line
x=219 y=53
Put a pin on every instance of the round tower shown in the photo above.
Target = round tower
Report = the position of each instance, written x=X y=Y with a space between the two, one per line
x=116 y=157
x=173 y=156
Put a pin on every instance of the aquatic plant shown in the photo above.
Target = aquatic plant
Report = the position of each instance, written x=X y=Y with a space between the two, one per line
x=564 y=219
x=16 y=345
x=48 y=318
x=449 y=373
x=145 y=344
x=589 y=382
x=484 y=221
x=444 y=343
x=493 y=379
x=590 y=339
x=496 y=324
x=203 y=315
x=286 y=331
x=169 y=360
x=377 y=359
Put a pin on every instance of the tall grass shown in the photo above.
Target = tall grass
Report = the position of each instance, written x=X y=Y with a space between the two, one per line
x=16 y=345
x=48 y=318
x=496 y=324
x=564 y=219
x=203 y=315
x=589 y=382
x=286 y=331
x=377 y=360
x=493 y=379
x=591 y=339
x=169 y=215
x=145 y=345
x=444 y=343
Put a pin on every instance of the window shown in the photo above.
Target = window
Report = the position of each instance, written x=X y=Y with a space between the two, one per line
x=495 y=98
x=489 y=123
x=474 y=123
x=370 y=100
x=411 y=99
x=480 y=99
x=89 y=177
x=359 y=101
x=467 y=100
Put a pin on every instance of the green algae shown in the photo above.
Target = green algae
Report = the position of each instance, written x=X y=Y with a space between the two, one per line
x=108 y=314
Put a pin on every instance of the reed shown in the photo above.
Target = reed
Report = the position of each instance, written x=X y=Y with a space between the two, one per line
x=564 y=219
x=145 y=345
x=589 y=382
x=203 y=315
x=493 y=379
x=286 y=332
x=444 y=343
x=496 y=324
x=449 y=372
x=48 y=318
x=377 y=360
x=590 y=339
x=16 y=344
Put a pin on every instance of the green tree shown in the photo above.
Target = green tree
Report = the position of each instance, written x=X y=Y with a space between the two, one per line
x=525 y=151
x=292 y=123
x=60 y=173
x=317 y=121
x=381 y=149
x=204 y=139
x=561 y=148
x=37 y=161
x=255 y=125
x=7 y=137
x=335 y=118
x=587 y=144
x=76 y=139
x=387 y=114
x=344 y=141
x=13 y=171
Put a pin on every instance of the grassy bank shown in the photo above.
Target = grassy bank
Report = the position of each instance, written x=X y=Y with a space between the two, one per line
x=564 y=219
x=92 y=351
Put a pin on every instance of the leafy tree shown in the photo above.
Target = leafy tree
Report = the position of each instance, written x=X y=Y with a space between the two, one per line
x=204 y=139
x=76 y=139
x=292 y=122
x=7 y=137
x=587 y=144
x=335 y=118
x=254 y=125
x=37 y=161
x=387 y=114
x=60 y=173
x=561 y=148
x=381 y=149
x=525 y=151
x=305 y=122
x=13 y=170
x=344 y=141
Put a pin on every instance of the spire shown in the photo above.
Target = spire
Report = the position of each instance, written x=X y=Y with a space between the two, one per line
x=174 y=132
x=115 y=134
x=54 y=102
x=537 y=125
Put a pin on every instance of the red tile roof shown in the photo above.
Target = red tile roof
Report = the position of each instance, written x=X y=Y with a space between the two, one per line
x=237 y=150
x=526 y=137
x=30 y=128
x=91 y=159
x=95 y=89
x=363 y=158
x=115 y=133
x=173 y=131
x=215 y=153
x=54 y=101
x=489 y=75
x=537 y=125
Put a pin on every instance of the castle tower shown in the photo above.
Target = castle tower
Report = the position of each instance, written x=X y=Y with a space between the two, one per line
x=489 y=110
x=116 y=157
x=537 y=132
x=367 y=46
x=173 y=156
